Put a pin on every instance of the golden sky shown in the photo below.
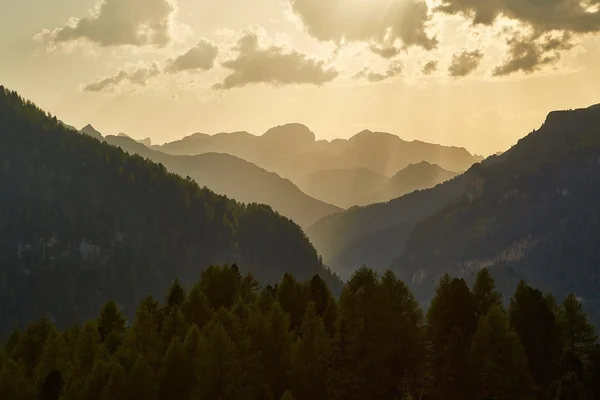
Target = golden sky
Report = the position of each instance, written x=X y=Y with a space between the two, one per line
x=473 y=73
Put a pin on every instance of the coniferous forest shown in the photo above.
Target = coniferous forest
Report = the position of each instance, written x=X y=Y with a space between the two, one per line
x=229 y=338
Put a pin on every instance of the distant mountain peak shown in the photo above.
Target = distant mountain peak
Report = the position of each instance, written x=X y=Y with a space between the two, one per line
x=296 y=132
x=91 y=131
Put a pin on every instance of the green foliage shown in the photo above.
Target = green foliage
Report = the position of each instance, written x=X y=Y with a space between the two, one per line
x=498 y=360
x=143 y=384
x=579 y=336
x=379 y=347
x=485 y=293
x=535 y=323
x=111 y=320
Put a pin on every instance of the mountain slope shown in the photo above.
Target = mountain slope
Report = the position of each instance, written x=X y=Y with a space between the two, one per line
x=414 y=177
x=293 y=152
x=343 y=187
x=533 y=213
x=237 y=179
x=374 y=235
x=82 y=222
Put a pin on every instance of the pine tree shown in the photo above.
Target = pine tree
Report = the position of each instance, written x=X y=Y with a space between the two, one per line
x=342 y=382
x=534 y=322
x=217 y=364
x=312 y=355
x=196 y=308
x=485 y=293
x=172 y=377
x=111 y=320
x=142 y=381
x=144 y=334
x=498 y=360
x=13 y=383
x=191 y=351
x=174 y=326
x=451 y=320
x=96 y=381
x=276 y=346
x=176 y=295
x=579 y=336
x=53 y=358
x=117 y=387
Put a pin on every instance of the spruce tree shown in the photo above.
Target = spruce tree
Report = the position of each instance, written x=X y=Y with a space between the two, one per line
x=111 y=319
x=312 y=355
x=143 y=384
x=485 y=293
x=498 y=360
x=579 y=336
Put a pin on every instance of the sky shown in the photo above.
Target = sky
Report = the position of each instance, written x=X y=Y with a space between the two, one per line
x=478 y=74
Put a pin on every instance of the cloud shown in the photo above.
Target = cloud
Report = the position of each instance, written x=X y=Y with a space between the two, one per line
x=272 y=65
x=542 y=15
x=137 y=76
x=395 y=69
x=540 y=18
x=381 y=23
x=429 y=68
x=121 y=22
x=529 y=54
x=385 y=52
x=464 y=63
x=202 y=56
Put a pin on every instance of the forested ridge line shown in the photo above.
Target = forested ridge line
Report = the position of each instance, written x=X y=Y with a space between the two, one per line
x=82 y=222
x=230 y=338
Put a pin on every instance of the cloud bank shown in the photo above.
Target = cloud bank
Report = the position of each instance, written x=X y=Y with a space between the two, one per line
x=272 y=65
x=121 y=22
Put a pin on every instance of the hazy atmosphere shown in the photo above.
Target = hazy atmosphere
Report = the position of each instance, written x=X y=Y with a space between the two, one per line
x=299 y=199
x=168 y=68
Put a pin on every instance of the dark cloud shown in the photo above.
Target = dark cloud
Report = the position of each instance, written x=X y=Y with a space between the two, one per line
x=395 y=69
x=380 y=22
x=385 y=52
x=429 y=68
x=202 y=56
x=122 y=22
x=138 y=77
x=273 y=66
x=529 y=54
x=464 y=63
x=542 y=15
x=565 y=18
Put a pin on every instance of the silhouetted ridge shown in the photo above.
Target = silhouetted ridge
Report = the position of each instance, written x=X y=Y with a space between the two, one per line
x=83 y=222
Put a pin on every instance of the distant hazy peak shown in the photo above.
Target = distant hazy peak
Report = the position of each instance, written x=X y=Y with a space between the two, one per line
x=89 y=130
x=293 y=132
x=123 y=134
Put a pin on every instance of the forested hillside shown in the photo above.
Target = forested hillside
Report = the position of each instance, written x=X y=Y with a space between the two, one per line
x=226 y=338
x=237 y=179
x=374 y=235
x=82 y=221
x=533 y=213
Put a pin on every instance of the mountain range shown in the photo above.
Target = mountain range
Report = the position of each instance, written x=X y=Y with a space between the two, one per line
x=81 y=222
x=531 y=212
x=293 y=152
x=238 y=179
x=351 y=187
